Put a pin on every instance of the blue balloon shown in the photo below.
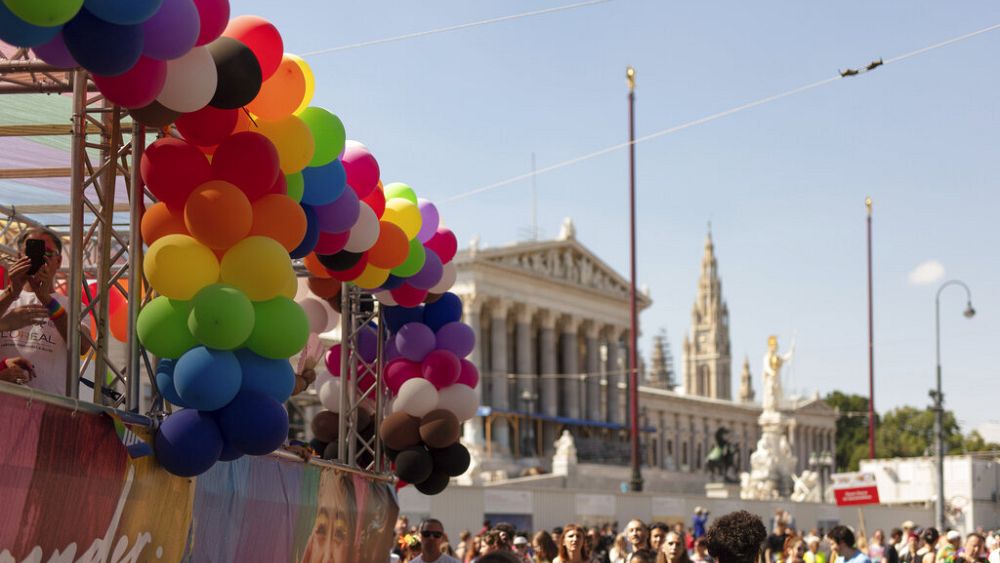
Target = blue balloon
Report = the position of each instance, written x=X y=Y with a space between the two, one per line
x=254 y=423
x=274 y=378
x=311 y=237
x=323 y=184
x=446 y=310
x=102 y=47
x=229 y=452
x=20 y=33
x=124 y=12
x=396 y=317
x=393 y=282
x=207 y=379
x=188 y=443
x=165 y=382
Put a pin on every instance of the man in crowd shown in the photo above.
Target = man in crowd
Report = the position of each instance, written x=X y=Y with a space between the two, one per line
x=637 y=536
x=776 y=541
x=973 y=551
x=657 y=534
x=698 y=521
x=431 y=537
x=843 y=542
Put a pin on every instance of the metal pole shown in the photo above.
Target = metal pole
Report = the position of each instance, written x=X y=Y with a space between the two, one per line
x=635 y=485
x=76 y=232
x=135 y=284
x=871 y=342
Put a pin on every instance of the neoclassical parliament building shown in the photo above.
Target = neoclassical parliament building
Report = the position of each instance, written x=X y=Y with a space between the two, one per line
x=552 y=328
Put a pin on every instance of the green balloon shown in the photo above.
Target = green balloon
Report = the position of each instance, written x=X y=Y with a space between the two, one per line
x=328 y=133
x=296 y=186
x=45 y=13
x=222 y=317
x=280 y=329
x=163 y=329
x=401 y=190
x=414 y=261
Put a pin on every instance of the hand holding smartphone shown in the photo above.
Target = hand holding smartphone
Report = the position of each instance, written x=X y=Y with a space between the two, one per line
x=35 y=250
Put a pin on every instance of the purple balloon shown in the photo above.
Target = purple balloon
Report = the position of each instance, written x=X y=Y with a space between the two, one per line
x=430 y=274
x=430 y=217
x=172 y=31
x=414 y=341
x=390 y=351
x=456 y=337
x=368 y=344
x=339 y=215
x=56 y=53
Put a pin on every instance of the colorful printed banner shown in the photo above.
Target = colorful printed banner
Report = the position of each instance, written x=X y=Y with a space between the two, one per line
x=70 y=492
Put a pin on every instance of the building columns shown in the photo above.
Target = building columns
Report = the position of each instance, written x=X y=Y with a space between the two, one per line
x=499 y=372
x=615 y=376
x=593 y=369
x=571 y=368
x=472 y=430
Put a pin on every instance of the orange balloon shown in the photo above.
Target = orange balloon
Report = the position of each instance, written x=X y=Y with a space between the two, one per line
x=243 y=122
x=158 y=222
x=279 y=217
x=293 y=139
x=391 y=248
x=312 y=264
x=281 y=94
x=218 y=214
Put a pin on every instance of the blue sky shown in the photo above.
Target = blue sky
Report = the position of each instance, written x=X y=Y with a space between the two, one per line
x=783 y=184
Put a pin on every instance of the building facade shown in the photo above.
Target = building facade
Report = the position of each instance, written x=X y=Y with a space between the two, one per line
x=707 y=358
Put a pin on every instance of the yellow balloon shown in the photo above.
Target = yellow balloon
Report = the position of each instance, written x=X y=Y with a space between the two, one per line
x=178 y=266
x=404 y=214
x=371 y=277
x=307 y=73
x=293 y=139
x=258 y=266
x=293 y=285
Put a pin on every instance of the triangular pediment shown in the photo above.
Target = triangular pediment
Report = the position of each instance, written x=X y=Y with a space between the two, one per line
x=558 y=261
x=815 y=406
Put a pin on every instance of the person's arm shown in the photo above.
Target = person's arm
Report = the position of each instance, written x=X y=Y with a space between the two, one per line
x=42 y=284
x=18 y=275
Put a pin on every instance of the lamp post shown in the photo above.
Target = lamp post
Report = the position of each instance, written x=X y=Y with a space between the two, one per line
x=528 y=400
x=822 y=462
x=635 y=483
x=939 y=397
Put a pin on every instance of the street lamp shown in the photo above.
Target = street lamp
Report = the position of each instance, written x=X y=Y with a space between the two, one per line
x=823 y=463
x=939 y=397
x=528 y=400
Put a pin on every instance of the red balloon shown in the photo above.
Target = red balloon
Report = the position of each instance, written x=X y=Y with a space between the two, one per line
x=280 y=186
x=376 y=200
x=213 y=14
x=331 y=243
x=172 y=169
x=408 y=296
x=441 y=367
x=262 y=38
x=350 y=273
x=137 y=87
x=248 y=160
x=208 y=126
x=333 y=360
x=398 y=372
x=444 y=244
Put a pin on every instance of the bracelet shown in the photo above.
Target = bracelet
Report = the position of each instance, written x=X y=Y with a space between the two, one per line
x=55 y=309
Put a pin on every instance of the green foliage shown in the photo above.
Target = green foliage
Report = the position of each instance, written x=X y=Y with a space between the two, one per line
x=852 y=429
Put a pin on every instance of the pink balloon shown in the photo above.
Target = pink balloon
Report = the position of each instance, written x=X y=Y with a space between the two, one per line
x=408 y=296
x=469 y=375
x=444 y=244
x=441 y=368
x=136 y=87
x=333 y=360
x=214 y=15
x=331 y=243
x=361 y=168
x=399 y=371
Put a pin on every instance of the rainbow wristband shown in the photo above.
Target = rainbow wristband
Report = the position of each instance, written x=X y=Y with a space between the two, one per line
x=55 y=310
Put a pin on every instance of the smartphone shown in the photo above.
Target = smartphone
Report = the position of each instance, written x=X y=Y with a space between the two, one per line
x=35 y=249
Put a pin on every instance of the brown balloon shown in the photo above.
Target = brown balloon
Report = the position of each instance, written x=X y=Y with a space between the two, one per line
x=324 y=288
x=365 y=420
x=154 y=115
x=326 y=426
x=400 y=431
x=432 y=297
x=440 y=428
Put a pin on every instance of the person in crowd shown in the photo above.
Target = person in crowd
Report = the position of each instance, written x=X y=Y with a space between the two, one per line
x=698 y=522
x=737 y=537
x=500 y=557
x=507 y=532
x=637 y=535
x=909 y=552
x=700 y=554
x=523 y=549
x=431 y=539
x=657 y=534
x=928 y=551
x=573 y=546
x=795 y=550
x=949 y=548
x=644 y=556
x=545 y=547
x=33 y=324
x=974 y=549
x=907 y=527
x=813 y=552
x=464 y=545
x=619 y=549
x=891 y=554
x=674 y=550
x=776 y=541
x=845 y=545
x=876 y=546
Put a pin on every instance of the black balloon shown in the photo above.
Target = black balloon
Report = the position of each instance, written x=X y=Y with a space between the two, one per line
x=390 y=453
x=318 y=446
x=437 y=482
x=239 y=73
x=414 y=465
x=340 y=261
x=453 y=460
x=154 y=115
x=332 y=451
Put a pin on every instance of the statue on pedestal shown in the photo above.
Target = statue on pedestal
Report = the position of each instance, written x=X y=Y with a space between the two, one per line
x=772 y=374
x=721 y=461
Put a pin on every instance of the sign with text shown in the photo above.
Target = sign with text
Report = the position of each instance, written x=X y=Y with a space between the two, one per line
x=852 y=489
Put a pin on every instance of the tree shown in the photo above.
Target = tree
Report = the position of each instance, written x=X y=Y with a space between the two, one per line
x=852 y=429
x=974 y=442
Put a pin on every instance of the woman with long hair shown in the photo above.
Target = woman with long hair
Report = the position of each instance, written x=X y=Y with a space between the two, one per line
x=928 y=553
x=673 y=550
x=795 y=550
x=619 y=549
x=573 y=546
x=545 y=547
x=876 y=547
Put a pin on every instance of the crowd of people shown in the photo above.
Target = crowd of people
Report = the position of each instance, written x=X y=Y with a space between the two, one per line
x=738 y=537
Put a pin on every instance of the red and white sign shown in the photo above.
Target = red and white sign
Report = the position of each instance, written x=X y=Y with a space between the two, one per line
x=854 y=488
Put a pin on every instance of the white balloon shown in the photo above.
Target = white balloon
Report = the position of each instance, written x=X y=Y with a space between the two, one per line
x=316 y=313
x=329 y=394
x=322 y=375
x=448 y=276
x=459 y=399
x=416 y=397
x=365 y=231
x=385 y=298
x=191 y=81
